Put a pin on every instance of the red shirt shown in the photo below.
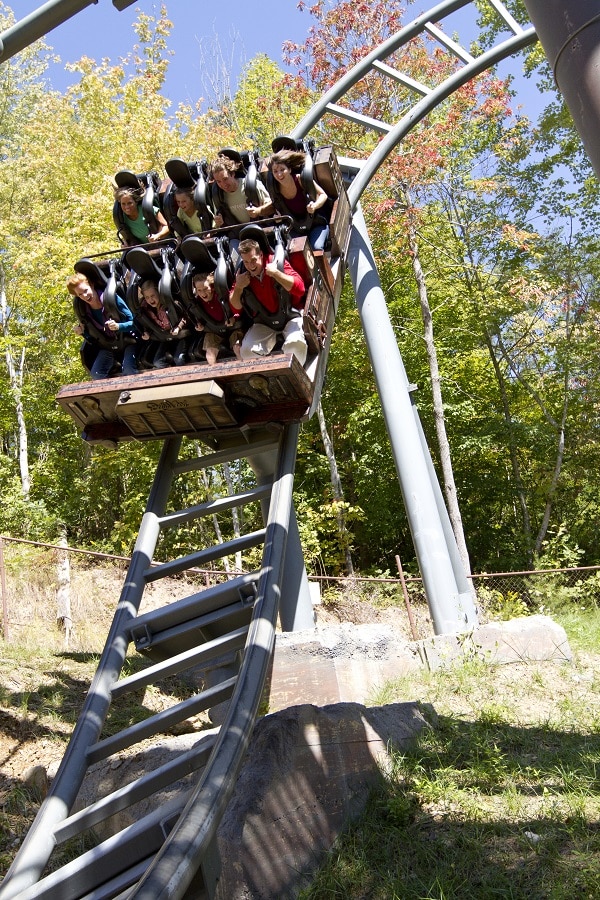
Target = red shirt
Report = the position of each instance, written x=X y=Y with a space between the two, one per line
x=212 y=307
x=265 y=289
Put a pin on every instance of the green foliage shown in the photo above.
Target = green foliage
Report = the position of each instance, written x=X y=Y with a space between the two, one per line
x=376 y=592
x=502 y=606
x=553 y=593
x=506 y=217
x=558 y=550
x=266 y=103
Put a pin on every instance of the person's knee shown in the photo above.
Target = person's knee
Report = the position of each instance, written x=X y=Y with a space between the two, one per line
x=318 y=238
x=246 y=352
x=296 y=346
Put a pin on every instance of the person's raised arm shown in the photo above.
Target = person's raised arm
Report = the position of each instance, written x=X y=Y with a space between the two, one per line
x=321 y=199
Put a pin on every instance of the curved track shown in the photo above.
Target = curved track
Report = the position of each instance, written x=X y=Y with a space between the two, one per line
x=167 y=848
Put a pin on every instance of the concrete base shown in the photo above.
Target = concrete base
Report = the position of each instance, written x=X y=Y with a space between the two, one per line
x=309 y=771
x=349 y=663
x=529 y=639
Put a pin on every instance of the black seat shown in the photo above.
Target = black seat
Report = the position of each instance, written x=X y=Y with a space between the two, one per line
x=145 y=188
x=193 y=177
x=161 y=269
x=207 y=256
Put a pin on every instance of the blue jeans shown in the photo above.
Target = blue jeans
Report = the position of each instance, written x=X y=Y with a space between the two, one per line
x=170 y=353
x=317 y=237
x=105 y=360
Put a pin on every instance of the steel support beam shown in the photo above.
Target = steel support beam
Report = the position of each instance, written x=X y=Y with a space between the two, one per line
x=296 y=611
x=452 y=608
x=569 y=32
x=39 y=841
x=42 y=20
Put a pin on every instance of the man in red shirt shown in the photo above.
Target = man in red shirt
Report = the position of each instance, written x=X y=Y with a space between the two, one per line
x=256 y=289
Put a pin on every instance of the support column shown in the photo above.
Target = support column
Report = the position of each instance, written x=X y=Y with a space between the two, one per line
x=451 y=608
x=569 y=32
x=296 y=611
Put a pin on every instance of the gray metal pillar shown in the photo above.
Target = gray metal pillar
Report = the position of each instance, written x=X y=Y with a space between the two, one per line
x=569 y=32
x=38 y=23
x=451 y=609
x=467 y=595
x=296 y=611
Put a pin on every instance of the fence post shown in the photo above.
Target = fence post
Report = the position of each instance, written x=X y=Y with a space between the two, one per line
x=3 y=589
x=63 y=593
x=411 y=618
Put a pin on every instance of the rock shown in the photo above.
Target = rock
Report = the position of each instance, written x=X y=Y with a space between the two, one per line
x=35 y=779
x=308 y=772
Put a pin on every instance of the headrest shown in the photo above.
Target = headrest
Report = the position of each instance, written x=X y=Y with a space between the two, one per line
x=230 y=153
x=92 y=271
x=283 y=142
x=197 y=253
x=179 y=173
x=127 y=179
x=256 y=233
x=139 y=261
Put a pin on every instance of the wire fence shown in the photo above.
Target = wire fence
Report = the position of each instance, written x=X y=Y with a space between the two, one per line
x=529 y=590
x=499 y=594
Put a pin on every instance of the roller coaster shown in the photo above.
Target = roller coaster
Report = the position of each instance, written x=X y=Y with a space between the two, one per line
x=203 y=400
x=236 y=410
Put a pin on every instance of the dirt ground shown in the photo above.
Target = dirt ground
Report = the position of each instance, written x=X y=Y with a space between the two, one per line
x=33 y=735
x=30 y=736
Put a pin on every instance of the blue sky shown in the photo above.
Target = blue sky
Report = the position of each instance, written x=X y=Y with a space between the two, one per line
x=246 y=29
x=101 y=31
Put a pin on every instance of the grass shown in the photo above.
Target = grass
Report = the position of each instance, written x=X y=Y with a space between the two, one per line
x=499 y=798
x=41 y=695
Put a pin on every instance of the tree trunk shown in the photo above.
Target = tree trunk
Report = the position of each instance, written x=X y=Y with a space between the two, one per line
x=235 y=516
x=512 y=448
x=336 y=485
x=438 y=405
x=215 y=520
x=63 y=592
x=558 y=426
x=15 y=377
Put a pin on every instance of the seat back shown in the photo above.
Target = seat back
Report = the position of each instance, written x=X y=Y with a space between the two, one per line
x=207 y=256
x=161 y=270
x=145 y=188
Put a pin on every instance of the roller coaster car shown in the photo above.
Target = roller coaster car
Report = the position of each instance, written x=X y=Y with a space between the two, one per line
x=201 y=399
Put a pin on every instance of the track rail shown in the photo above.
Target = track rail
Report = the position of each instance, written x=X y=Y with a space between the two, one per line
x=230 y=625
x=169 y=850
x=424 y=97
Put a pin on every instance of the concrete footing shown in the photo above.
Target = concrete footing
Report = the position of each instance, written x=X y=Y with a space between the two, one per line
x=349 y=663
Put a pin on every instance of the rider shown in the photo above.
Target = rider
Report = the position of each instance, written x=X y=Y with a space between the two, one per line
x=137 y=229
x=273 y=298
x=109 y=333
x=291 y=199
x=219 y=327
x=232 y=202
x=187 y=212
x=167 y=342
